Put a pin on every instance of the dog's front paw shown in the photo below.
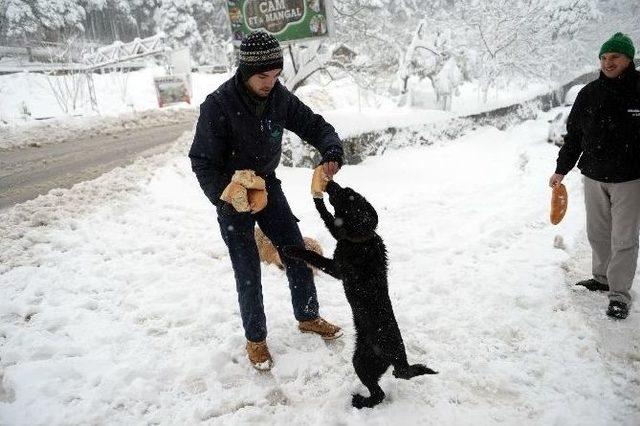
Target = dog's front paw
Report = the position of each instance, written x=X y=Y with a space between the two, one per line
x=293 y=252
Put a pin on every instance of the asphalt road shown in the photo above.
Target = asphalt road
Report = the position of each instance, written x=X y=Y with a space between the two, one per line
x=28 y=172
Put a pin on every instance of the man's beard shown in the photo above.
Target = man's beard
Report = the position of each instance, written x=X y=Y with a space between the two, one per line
x=263 y=94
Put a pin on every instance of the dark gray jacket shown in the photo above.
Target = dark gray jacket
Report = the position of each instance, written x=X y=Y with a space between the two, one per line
x=234 y=133
x=603 y=130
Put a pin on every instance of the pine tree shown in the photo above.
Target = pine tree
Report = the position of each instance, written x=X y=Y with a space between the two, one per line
x=177 y=22
x=18 y=20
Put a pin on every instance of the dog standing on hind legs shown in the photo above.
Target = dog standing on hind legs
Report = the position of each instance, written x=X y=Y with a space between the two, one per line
x=360 y=261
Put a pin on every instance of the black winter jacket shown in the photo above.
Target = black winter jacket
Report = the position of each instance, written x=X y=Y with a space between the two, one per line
x=233 y=133
x=603 y=130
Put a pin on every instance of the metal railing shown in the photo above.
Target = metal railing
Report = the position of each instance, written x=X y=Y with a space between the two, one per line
x=86 y=56
x=121 y=52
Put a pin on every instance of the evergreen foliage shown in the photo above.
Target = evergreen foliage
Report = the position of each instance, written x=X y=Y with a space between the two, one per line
x=507 y=39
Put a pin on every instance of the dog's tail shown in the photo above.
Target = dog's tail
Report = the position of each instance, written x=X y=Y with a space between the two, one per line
x=412 y=371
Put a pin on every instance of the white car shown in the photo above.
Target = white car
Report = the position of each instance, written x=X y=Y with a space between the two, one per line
x=558 y=126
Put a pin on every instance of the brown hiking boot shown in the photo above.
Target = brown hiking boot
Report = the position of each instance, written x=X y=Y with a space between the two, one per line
x=319 y=326
x=259 y=355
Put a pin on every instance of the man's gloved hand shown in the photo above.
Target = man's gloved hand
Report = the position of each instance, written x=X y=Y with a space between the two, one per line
x=331 y=161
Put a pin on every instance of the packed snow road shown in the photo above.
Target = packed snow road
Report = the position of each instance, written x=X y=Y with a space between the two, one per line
x=30 y=171
x=118 y=302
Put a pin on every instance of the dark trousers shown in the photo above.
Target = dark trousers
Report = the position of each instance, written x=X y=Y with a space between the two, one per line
x=280 y=225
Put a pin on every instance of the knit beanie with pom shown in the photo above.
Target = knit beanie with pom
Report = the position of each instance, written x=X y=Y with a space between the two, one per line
x=618 y=43
x=259 y=52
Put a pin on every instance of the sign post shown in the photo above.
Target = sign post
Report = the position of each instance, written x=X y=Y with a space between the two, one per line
x=287 y=20
x=173 y=89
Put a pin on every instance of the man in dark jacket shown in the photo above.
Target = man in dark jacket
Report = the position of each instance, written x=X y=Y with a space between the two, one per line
x=240 y=127
x=603 y=131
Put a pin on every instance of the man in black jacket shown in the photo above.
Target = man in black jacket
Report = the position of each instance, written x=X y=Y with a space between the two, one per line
x=603 y=131
x=240 y=127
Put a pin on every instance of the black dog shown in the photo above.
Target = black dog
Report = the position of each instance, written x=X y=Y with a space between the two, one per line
x=360 y=261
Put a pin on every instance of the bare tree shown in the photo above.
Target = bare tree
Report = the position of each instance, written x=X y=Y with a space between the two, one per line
x=67 y=80
x=521 y=39
x=306 y=60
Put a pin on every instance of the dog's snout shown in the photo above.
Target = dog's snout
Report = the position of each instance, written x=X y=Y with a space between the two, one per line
x=333 y=187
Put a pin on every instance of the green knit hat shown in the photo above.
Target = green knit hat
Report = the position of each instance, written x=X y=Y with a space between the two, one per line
x=619 y=43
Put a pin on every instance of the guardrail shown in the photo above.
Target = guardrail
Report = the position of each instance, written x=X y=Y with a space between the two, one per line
x=61 y=58
x=119 y=52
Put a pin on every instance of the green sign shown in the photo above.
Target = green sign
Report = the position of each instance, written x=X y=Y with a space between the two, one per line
x=287 y=20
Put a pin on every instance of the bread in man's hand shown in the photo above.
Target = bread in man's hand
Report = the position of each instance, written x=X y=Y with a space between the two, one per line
x=248 y=179
x=559 y=203
x=257 y=199
x=318 y=182
x=236 y=195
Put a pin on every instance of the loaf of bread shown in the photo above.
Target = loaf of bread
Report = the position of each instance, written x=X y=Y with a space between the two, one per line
x=559 y=202
x=257 y=199
x=318 y=182
x=236 y=195
x=246 y=192
x=248 y=179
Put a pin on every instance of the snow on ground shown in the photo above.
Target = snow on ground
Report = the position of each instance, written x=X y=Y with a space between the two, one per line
x=118 y=304
x=471 y=101
x=116 y=92
x=352 y=110
x=63 y=129
x=137 y=110
x=30 y=114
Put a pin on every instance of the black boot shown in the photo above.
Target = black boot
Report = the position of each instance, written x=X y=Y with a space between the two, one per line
x=593 y=285
x=617 y=310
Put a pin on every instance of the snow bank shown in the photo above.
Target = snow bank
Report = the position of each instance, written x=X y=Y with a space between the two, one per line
x=63 y=129
x=136 y=108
